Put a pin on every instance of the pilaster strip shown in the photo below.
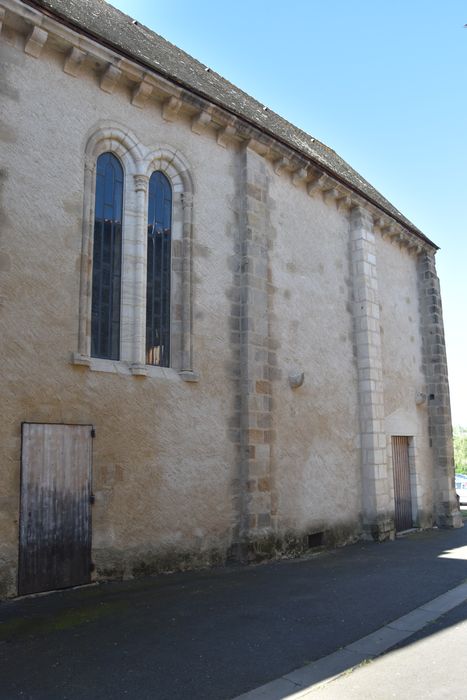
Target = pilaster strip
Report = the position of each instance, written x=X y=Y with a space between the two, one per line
x=439 y=408
x=257 y=517
x=377 y=507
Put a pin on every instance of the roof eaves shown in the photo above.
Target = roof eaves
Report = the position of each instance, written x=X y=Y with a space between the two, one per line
x=63 y=18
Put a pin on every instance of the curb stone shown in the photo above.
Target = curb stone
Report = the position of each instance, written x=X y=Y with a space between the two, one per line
x=303 y=681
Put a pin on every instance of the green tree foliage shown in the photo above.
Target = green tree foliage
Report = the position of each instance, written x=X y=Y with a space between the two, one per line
x=460 y=448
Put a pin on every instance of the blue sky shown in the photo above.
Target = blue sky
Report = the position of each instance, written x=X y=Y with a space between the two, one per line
x=383 y=83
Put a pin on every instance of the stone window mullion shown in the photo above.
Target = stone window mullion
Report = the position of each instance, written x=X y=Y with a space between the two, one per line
x=186 y=334
x=85 y=298
x=136 y=252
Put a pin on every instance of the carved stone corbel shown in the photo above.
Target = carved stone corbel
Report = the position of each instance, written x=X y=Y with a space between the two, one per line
x=141 y=94
x=74 y=61
x=171 y=108
x=415 y=248
x=225 y=135
x=262 y=149
x=343 y=200
x=110 y=78
x=299 y=176
x=400 y=239
x=384 y=229
x=316 y=185
x=378 y=221
x=35 y=42
x=389 y=230
x=280 y=165
x=330 y=194
x=200 y=122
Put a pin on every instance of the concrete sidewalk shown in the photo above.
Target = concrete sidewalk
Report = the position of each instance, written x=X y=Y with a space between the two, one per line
x=218 y=634
x=430 y=665
x=438 y=668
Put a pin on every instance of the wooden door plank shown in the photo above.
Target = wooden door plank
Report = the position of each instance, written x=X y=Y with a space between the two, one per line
x=402 y=491
x=55 y=533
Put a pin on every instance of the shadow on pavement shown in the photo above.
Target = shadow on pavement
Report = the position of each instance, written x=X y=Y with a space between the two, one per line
x=217 y=634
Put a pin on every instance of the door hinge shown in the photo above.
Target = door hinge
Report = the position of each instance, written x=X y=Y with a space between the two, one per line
x=93 y=432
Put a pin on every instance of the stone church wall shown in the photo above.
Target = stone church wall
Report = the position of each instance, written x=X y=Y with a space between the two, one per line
x=302 y=330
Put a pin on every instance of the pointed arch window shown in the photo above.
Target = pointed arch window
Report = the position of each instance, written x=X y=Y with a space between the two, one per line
x=158 y=281
x=107 y=258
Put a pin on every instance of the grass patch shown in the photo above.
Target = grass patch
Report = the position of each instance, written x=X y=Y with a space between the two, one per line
x=58 y=622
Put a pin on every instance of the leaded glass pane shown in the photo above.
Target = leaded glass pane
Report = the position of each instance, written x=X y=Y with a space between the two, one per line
x=158 y=271
x=107 y=259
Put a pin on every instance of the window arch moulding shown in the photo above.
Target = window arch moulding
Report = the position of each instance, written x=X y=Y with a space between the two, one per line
x=138 y=164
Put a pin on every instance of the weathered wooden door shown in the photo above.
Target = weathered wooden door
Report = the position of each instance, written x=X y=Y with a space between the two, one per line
x=402 y=492
x=55 y=513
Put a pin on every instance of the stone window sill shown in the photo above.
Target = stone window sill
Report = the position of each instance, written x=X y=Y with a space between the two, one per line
x=96 y=364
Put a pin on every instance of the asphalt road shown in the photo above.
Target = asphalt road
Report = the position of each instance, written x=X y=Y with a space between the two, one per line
x=217 y=634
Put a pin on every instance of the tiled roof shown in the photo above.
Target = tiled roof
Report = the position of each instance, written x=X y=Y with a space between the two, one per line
x=115 y=29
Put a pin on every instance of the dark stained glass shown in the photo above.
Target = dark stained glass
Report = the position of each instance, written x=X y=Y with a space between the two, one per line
x=107 y=259
x=158 y=271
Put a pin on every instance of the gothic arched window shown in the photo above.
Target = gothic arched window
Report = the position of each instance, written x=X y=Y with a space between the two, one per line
x=107 y=258
x=158 y=270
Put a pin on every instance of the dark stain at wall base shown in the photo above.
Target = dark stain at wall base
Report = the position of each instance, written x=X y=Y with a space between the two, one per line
x=292 y=544
x=110 y=566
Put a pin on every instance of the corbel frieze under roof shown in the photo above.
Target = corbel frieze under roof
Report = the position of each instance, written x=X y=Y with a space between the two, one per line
x=40 y=30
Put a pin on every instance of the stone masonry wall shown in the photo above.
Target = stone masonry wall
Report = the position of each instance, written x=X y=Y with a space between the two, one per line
x=188 y=466
x=406 y=410
x=315 y=452
x=439 y=409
